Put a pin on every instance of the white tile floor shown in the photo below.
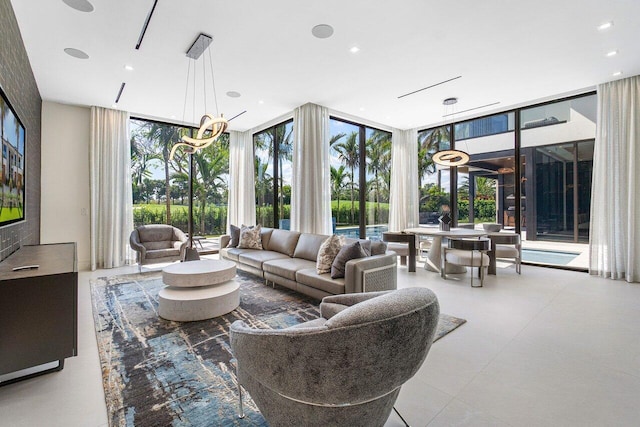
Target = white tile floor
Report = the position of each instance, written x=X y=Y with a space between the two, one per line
x=550 y=347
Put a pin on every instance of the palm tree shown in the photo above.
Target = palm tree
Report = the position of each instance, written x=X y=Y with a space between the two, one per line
x=429 y=143
x=285 y=153
x=337 y=184
x=378 y=148
x=349 y=153
x=163 y=137
x=210 y=164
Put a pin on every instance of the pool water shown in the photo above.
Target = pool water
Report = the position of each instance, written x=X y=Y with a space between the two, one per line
x=374 y=232
x=548 y=257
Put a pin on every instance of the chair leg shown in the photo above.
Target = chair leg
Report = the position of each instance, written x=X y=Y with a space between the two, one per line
x=240 y=407
x=401 y=417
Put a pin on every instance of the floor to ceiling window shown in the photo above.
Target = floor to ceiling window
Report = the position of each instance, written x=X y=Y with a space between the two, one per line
x=360 y=163
x=545 y=195
x=273 y=150
x=161 y=186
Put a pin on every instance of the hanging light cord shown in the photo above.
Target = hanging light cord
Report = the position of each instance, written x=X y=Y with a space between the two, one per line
x=213 y=82
x=186 y=90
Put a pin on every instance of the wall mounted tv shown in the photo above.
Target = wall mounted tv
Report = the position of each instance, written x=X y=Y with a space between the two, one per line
x=12 y=181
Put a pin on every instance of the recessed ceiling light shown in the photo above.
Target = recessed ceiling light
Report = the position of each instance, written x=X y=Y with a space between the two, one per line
x=605 y=26
x=233 y=94
x=114 y=105
x=322 y=31
x=80 y=5
x=612 y=53
x=261 y=102
x=361 y=108
x=354 y=49
x=173 y=116
x=76 y=53
x=617 y=73
x=128 y=67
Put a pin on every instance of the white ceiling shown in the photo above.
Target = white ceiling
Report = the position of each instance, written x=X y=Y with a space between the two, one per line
x=511 y=52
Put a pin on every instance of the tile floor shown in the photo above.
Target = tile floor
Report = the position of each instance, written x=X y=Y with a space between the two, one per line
x=550 y=347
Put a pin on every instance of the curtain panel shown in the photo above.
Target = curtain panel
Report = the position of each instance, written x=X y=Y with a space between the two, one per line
x=111 y=198
x=242 y=197
x=311 y=188
x=404 y=194
x=614 y=238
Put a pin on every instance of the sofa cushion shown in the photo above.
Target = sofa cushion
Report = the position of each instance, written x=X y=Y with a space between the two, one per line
x=152 y=246
x=234 y=253
x=347 y=253
x=255 y=258
x=234 y=233
x=378 y=248
x=324 y=282
x=283 y=241
x=265 y=234
x=287 y=267
x=155 y=233
x=327 y=253
x=309 y=245
x=161 y=253
x=250 y=238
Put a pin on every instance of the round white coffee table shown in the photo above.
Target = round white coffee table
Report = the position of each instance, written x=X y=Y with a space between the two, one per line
x=198 y=290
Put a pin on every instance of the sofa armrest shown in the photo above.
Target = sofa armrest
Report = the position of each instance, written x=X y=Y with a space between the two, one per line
x=136 y=245
x=224 y=240
x=357 y=271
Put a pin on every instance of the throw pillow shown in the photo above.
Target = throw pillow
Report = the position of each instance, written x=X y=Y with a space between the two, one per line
x=250 y=238
x=327 y=253
x=347 y=253
x=235 y=236
x=378 y=248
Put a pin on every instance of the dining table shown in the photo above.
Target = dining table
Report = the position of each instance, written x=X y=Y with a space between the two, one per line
x=434 y=261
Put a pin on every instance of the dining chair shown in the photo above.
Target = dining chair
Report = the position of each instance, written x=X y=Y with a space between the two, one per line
x=508 y=246
x=468 y=253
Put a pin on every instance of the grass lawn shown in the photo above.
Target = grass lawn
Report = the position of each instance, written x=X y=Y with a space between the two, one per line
x=155 y=207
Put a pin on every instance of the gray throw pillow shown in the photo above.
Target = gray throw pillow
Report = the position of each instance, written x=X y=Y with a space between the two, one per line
x=235 y=236
x=347 y=253
x=250 y=238
x=327 y=253
x=378 y=248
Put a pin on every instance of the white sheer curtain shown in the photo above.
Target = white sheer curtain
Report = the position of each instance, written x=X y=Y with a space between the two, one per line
x=311 y=188
x=111 y=199
x=614 y=241
x=242 y=197
x=404 y=196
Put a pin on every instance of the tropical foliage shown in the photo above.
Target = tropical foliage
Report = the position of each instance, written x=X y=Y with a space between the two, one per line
x=151 y=143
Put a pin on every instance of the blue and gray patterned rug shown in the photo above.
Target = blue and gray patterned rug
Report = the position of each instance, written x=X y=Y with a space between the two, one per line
x=157 y=372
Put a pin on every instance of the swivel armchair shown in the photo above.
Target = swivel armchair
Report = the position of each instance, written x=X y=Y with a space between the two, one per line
x=345 y=368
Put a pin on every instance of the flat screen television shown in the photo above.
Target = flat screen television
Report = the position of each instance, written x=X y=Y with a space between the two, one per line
x=12 y=182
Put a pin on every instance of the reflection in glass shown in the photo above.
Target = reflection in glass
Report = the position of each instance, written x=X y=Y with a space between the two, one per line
x=433 y=181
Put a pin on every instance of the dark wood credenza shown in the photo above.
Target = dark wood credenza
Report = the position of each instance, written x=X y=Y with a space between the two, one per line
x=38 y=309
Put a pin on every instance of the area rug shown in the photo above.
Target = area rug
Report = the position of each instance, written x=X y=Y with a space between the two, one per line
x=157 y=372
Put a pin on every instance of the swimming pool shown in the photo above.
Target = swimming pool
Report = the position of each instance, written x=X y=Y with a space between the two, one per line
x=548 y=257
x=374 y=232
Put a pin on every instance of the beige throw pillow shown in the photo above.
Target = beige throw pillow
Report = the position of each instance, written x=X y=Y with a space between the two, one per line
x=327 y=253
x=250 y=238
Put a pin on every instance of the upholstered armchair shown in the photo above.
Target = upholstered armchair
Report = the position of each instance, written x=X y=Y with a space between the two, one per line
x=157 y=243
x=345 y=368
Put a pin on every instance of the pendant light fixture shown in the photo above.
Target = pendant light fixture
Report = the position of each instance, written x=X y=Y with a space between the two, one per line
x=210 y=124
x=450 y=158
